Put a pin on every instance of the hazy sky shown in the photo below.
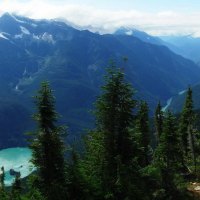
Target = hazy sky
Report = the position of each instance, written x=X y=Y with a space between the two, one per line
x=157 y=17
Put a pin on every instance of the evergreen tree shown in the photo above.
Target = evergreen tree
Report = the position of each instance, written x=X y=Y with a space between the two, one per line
x=169 y=156
x=93 y=161
x=16 y=188
x=114 y=115
x=170 y=143
x=2 y=178
x=143 y=133
x=33 y=192
x=186 y=129
x=76 y=184
x=48 y=148
x=158 y=119
x=3 y=193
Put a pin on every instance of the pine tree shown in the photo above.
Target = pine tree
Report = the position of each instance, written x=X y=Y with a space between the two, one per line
x=3 y=193
x=158 y=119
x=48 y=147
x=143 y=133
x=186 y=129
x=168 y=155
x=2 y=178
x=16 y=188
x=170 y=143
x=93 y=161
x=114 y=114
x=76 y=185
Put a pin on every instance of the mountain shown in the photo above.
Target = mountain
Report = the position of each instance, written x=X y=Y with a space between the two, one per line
x=161 y=41
x=140 y=35
x=187 y=46
x=74 y=62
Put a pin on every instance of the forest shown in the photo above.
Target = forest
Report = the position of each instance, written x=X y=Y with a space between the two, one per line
x=126 y=156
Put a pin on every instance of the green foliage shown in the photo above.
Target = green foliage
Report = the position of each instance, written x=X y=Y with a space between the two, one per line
x=186 y=121
x=143 y=135
x=168 y=157
x=2 y=178
x=189 y=133
x=48 y=148
x=158 y=120
x=16 y=188
x=169 y=150
x=3 y=193
x=92 y=165
x=76 y=185
x=110 y=148
x=114 y=115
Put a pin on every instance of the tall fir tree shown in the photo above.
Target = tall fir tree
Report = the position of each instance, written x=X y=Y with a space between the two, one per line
x=48 y=147
x=3 y=192
x=16 y=188
x=143 y=134
x=158 y=120
x=2 y=178
x=168 y=156
x=187 y=129
x=114 y=116
x=76 y=185
x=93 y=161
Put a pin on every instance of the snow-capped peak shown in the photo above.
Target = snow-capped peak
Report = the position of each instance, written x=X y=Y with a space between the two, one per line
x=12 y=16
x=129 y=32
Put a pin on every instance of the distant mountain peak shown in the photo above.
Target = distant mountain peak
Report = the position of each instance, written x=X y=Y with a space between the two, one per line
x=9 y=16
x=145 y=37
x=6 y=14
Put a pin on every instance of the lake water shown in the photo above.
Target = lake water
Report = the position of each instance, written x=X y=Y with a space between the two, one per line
x=17 y=159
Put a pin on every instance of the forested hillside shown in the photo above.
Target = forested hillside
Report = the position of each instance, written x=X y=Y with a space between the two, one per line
x=121 y=157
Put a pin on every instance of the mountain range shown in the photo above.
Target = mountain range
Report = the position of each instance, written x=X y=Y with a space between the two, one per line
x=186 y=45
x=74 y=62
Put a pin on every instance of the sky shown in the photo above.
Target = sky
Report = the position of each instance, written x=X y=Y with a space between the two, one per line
x=157 y=17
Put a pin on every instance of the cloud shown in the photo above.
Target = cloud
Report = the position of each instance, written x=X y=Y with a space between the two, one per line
x=160 y=23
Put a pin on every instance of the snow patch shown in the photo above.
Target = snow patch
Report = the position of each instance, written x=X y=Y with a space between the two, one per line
x=3 y=36
x=48 y=38
x=45 y=37
x=36 y=37
x=19 y=36
x=24 y=30
x=34 y=25
x=129 y=32
x=17 y=20
x=182 y=92
x=169 y=101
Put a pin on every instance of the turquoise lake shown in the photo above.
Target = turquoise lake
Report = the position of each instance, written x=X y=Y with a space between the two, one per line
x=18 y=159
